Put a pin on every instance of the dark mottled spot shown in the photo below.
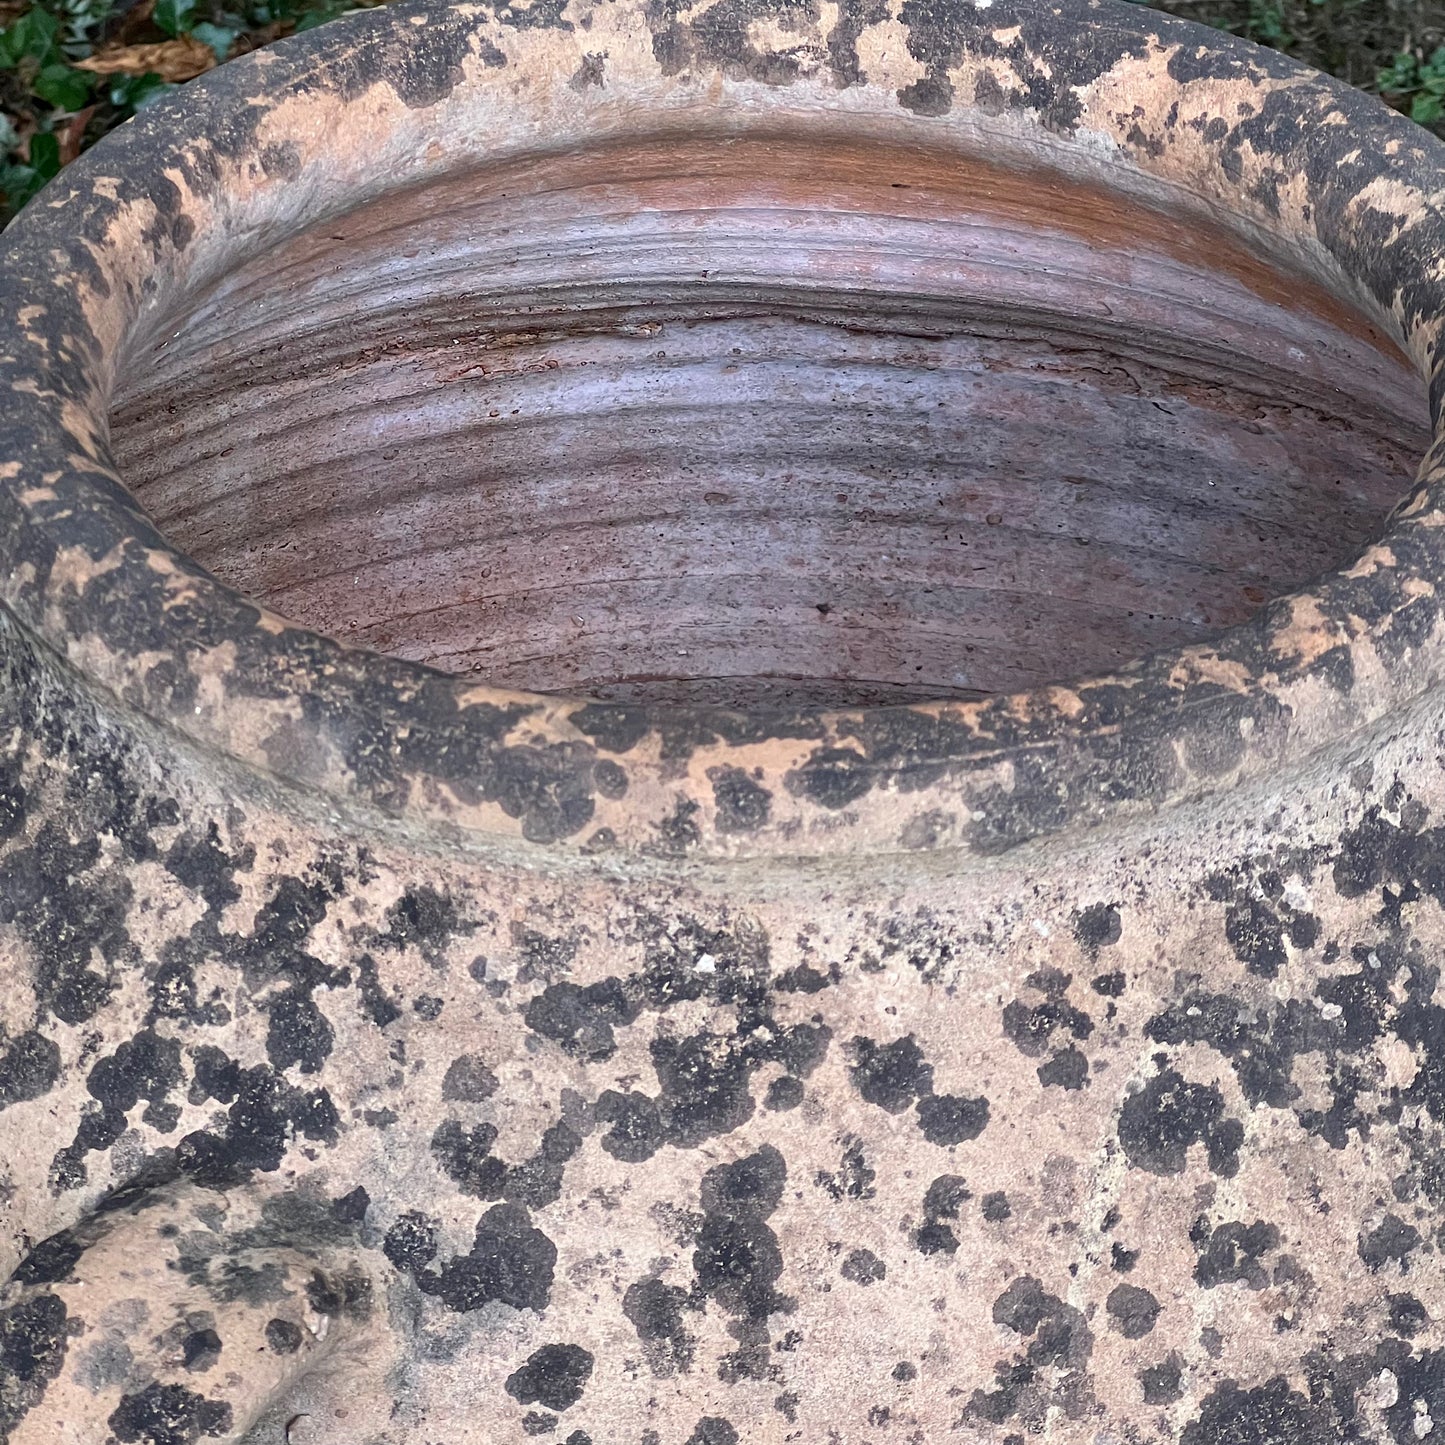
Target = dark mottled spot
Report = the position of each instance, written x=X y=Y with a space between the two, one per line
x=996 y=1207
x=581 y=1019
x=168 y=1415
x=713 y=1430
x=904 y=1371
x=1159 y=1122
x=636 y=1132
x=283 y=1337
x=1132 y=1311
x=783 y=1093
x=949 y=1119
x=1392 y=1240
x=1273 y=1414
x=466 y=1158
x=468 y=1080
x=862 y=1266
x=510 y=1262
x=831 y=777
x=29 y=1067
x=351 y=1208
x=298 y=1032
x=200 y=1350
x=33 y=1340
x=1067 y=1069
x=1232 y=1255
x=410 y=1243
x=1161 y=1382
x=1097 y=926
x=743 y=805
x=892 y=1075
x=51 y=1261
x=1407 y=1315
x=854 y=1177
x=554 y=1376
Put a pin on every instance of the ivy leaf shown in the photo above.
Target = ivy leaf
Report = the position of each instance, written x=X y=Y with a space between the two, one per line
x=1427 y=108
x=219 y=37
x=45 y=155
x=64 y=88
x=130 y=93
x=32 y=37
x=174 y=16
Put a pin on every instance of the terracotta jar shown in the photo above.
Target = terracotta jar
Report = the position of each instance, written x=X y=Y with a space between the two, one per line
x=554 y=881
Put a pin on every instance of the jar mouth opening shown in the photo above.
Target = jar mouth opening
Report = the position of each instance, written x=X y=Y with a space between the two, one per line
x=894 y=420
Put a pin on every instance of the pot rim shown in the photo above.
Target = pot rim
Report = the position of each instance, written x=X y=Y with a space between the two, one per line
x=1327 y=177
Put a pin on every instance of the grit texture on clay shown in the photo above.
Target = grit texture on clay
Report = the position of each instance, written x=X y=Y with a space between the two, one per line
x=401 y=1057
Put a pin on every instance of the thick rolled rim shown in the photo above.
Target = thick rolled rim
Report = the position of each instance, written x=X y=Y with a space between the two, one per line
x=279 y=140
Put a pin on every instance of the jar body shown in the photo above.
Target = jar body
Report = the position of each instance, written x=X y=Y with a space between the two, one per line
x=1090 y=1136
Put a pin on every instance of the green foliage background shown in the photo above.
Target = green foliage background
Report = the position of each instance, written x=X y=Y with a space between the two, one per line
x=50 y=110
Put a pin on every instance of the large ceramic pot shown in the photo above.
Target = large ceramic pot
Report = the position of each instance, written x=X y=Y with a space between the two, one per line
x=807 y=1014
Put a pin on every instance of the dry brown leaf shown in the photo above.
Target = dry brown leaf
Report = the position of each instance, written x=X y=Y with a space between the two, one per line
x=72 y=135
x=181 y=59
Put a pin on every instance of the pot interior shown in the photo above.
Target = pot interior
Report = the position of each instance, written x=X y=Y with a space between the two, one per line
x=760 y=420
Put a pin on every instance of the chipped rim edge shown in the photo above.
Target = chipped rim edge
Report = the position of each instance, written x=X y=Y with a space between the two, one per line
x=135 y=222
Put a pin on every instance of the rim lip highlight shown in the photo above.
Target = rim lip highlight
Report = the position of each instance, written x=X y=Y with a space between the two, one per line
x=1311 y=670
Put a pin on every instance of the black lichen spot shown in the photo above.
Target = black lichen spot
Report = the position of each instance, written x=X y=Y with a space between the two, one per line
x=1067 y=1069
x=783 y=1093
x=1132 y=1311
x=1392 y=1240
x=1232 y=1255
x=1159 y=1122
x=265 y=1117
x=51 y=1261
x=996 y=1207
x=743 y=806
x=1031 y=1027
x=466 y=1158
x=854 y=1177
x=168 y=1415
x=703 y=1080
x=1050 y=1373
x=33 y=1341
x=200 y=1350
x=655 y=1310
x=29 y=1068
x=904 y=1371
x=713 y=1430
x=831 y=777
x=298 y=1032
x=948 y=1119
x=581 y=1019
x=892 y=1075
x=738 y=1259
x=510 y=1262
x=636 y=1133
x=1098 y=926
x=1109 y=985
x=1269 y=1415
x=410 y=1243
x=864 y=1267
x=1407 y=1315
x=538 y=1422
x=537 y=1182
x=554 y=1376
x=146 y=1067
x=1161 y=1382
x=468 y=1080
x=943 y=1200
x=283 y=1337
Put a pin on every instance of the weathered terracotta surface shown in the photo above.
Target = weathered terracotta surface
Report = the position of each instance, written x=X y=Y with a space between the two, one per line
x=393 y=1058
